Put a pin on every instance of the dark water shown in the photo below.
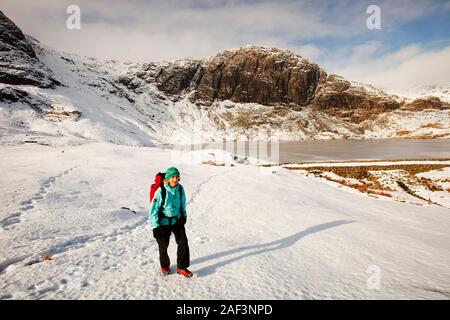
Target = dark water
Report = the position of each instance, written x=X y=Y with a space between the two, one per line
x=364 y=150
x=326 y=150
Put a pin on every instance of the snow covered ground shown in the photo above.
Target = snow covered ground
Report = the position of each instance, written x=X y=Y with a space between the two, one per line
x=254 y=232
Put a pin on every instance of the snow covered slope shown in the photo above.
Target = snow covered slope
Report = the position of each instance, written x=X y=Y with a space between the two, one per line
x=277 y=234
x=109 y=111
x=436 y=90
x=105 y=113
x=250 y=93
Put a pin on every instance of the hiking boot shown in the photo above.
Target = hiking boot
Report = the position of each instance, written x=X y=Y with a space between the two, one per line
x=165 y=271
x=184 y=272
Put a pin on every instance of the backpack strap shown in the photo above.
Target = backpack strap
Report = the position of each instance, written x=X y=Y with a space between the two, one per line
x=163 y=201
x=181 y=202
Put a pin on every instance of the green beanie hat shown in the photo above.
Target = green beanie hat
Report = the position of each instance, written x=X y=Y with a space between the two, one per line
x=170 y=172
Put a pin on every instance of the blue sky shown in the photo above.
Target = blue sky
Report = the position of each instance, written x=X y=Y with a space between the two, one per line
x=414 y=40
x=432 y=31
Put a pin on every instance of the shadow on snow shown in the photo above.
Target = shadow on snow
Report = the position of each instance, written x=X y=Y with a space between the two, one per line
x=261 y=248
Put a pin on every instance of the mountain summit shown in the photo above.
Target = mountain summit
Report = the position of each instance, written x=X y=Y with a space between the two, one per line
x=249 y=93
x=18 y=61
x=267 y=76
x=249 y=74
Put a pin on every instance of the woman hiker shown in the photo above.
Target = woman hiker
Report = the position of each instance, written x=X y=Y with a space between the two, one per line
x=167 y=216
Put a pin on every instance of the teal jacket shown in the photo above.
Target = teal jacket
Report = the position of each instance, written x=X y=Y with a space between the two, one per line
x=171 y=205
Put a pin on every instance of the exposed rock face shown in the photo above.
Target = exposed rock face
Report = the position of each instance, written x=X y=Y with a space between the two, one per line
x=11 y=94
x=268 y=76
x=178 y=76
x=255 y=74
x=58 y=114
x=271 y=77
x=8 y=94
x=11 y=37
x=426 y=103
x=338 y=97
x=250 y=74
x=336 y=92
x=18 y=61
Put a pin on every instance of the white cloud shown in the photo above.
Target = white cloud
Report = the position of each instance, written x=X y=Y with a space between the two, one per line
x=405 y=68
x=156 y=30
x=134 y=30
x=364 y=51
x=308 y=51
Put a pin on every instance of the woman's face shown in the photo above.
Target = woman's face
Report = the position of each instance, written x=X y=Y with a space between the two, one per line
x=173 y=181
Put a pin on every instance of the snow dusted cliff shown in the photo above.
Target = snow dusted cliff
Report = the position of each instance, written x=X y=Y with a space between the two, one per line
x=250 y=93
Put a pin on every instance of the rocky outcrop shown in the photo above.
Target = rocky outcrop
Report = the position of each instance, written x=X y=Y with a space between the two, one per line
x=19 y=64
x=174 y=78
x=12 y=38
x=336 y=92
x=250 y=74
x=9 y=94
x=58 y=114
x=271 y=77
x=339 y=97
x=268 y=76
x=426 y=103
x=257 y=74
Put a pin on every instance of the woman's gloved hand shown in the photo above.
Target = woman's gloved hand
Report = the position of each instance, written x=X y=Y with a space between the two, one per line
x=183 y=220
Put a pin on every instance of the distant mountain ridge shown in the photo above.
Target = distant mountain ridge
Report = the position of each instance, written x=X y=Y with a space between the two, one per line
x=249 y=93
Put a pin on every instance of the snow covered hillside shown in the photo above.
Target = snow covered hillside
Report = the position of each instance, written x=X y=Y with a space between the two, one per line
x=254 y=232
x=250 y=93
x=437 y=90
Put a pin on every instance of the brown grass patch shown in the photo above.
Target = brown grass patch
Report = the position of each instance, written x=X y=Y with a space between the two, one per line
x=369 y=183
x=47 y=257
x=409 y=191
x=433 y=125
x=402 y=133
x=362 y=172
x=365 y=187
x=430 y=185
x=212 y=163
x=365 y=161
x=430 y=136
x=380 y=193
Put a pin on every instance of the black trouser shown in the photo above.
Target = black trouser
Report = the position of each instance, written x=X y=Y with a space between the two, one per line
x=163 y=239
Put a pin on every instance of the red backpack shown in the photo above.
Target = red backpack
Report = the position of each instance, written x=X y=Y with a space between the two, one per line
x=159 y=182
